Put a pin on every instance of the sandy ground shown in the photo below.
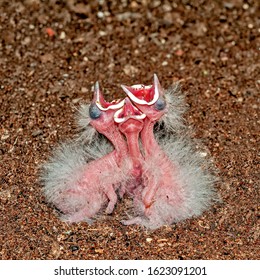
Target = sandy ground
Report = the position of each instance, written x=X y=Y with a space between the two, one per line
x=51 y=53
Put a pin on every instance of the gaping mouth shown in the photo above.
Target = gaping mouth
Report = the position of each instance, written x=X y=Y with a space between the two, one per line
x=128 y=111
x=144 y=95
x=125 y=109
x=140 y=94
x=102 y=104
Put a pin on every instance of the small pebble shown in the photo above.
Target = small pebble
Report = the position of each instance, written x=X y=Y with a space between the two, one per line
x=162 y=240
x=163 y=41
x=99 y=251
x=62 y=35
x=130 y=70
x=37 y=132
x=141 y=39
x=207 y=93
x=111 y=66
x=74 y=248
x=205 y=72
x=50 y=31
x=245 y=6
x=84 y=90
x=102 y=33
x=179 y=52
x=164 y=63
x=167 y=8
x=26 y=41
x=100 y=14
x=133 y=5
x=76 y=100
x=4 y=137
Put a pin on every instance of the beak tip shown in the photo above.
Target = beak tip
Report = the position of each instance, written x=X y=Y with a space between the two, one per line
x=155 y=77
x=125 y=89
x=96 y=86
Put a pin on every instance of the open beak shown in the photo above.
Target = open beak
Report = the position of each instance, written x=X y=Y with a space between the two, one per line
x=102 y=104
x=144 y=95
x=128 y=111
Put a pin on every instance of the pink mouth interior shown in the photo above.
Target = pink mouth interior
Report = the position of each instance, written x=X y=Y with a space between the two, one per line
x=143 y=92
x=128 y=111
x=105 y=105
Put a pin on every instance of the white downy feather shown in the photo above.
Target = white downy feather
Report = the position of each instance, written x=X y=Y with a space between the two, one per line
x=194 y=175
x=63 y=176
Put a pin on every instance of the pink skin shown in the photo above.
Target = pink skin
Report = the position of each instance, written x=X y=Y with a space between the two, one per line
x=131 y=127
x=152 y=174
x=95 y=187
x=106 y=125
x=159 y=186
x=95 y=191
x=154 y=189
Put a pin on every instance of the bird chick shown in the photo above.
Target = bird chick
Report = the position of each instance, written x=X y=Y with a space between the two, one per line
x=176 y=183
x=80 y=180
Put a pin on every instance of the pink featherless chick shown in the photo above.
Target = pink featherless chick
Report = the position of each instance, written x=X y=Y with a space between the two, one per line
x=77 y=183
x=176 y=181
x=130 y=123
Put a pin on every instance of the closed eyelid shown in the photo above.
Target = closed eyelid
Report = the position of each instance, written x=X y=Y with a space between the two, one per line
x=160 y=104
x=94 y=111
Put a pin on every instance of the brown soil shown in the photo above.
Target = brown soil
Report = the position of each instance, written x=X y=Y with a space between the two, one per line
x=211 y=47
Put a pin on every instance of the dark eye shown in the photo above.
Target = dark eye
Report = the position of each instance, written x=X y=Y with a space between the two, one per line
x=160 y=104
x=94 y=112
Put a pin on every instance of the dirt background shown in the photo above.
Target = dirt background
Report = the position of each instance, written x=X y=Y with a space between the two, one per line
x=52 y=52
